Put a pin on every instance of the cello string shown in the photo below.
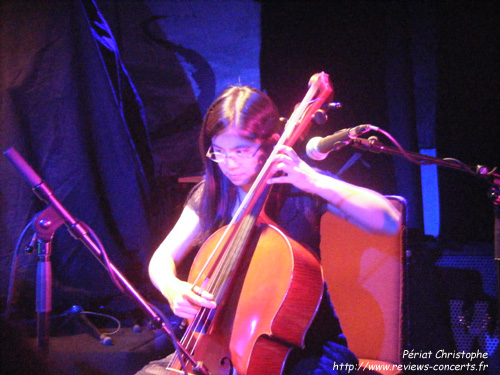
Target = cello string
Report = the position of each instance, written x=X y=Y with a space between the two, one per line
x=226 y=262
x=222 y=267
x=201 y=322
x=216 y=286
x=198 y=324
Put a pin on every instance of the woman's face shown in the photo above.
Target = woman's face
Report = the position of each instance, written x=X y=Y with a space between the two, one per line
x=240 y=157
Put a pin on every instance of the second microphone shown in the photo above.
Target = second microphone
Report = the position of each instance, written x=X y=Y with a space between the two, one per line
x=318 y=148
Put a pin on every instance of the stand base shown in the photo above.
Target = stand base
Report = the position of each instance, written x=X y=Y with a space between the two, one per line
x=82 y=354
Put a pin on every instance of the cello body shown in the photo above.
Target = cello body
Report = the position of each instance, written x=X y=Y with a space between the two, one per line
x=270 y=303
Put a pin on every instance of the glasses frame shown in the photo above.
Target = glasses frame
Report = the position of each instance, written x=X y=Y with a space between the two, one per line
x=211 y=155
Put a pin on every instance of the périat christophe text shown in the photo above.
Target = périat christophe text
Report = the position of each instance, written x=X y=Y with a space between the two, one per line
x=443 y=354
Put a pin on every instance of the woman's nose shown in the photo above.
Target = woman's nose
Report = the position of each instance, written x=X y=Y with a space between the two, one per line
x=231 y=163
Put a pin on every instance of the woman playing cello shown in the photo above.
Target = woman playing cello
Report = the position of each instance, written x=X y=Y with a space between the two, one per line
x=238 y=133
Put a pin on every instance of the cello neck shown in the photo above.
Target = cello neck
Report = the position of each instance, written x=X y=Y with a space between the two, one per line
x=298 y=124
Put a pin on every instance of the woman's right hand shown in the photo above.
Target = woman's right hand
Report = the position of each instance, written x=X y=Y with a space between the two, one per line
x=185 y=302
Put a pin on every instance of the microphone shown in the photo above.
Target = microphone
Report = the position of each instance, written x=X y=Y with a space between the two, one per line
x=318 y=148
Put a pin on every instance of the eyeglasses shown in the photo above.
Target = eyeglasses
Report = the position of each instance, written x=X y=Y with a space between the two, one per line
x=238 y=155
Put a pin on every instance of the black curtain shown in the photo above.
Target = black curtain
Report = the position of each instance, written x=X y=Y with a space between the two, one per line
x=69 y=108
x=425 y=71
x=347 y=40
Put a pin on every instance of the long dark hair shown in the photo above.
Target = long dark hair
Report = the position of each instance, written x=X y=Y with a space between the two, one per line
x=256 y=118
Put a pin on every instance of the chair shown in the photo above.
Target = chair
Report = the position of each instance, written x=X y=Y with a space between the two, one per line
x=365 y=274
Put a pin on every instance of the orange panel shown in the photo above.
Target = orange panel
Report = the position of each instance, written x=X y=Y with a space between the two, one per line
x=364 y=275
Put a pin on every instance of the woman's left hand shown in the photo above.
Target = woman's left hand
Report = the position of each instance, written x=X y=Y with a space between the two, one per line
x=294 y=170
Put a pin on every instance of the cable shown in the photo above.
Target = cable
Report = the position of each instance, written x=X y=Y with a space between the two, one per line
x=480 y=170
x=77 y=311
x=104 y=257
x=172 y=336
x=118 y=324
x=13 y=270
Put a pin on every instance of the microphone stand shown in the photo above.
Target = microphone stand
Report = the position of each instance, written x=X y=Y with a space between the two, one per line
x=372 y=144
x=46 y=224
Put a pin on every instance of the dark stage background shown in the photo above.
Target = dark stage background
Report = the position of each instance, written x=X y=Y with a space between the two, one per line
x=97 y=97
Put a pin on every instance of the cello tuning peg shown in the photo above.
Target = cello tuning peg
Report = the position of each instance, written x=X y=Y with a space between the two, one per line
x=320 y=117
x=333 y=105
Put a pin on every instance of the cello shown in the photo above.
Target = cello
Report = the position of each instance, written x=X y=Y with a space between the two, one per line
x=246 y=260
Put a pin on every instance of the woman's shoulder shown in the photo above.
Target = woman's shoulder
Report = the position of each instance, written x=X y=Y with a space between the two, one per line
x=193 y=200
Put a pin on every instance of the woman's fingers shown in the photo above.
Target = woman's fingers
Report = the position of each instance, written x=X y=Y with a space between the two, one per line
x=294 y=170
x=186 y=311
x=204 y=299
x=187 y=302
